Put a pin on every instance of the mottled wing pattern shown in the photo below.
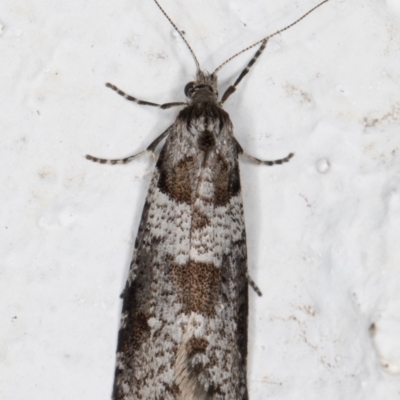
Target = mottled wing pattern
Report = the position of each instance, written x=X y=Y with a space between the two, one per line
x=183 y=331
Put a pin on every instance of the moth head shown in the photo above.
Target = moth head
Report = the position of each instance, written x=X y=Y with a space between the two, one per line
x=205 y=85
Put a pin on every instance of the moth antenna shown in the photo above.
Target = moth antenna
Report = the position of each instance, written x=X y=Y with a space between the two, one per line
x=180 y=34
x=270 y=36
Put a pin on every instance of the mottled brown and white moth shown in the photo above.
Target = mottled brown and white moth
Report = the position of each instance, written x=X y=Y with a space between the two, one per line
x=183 y=333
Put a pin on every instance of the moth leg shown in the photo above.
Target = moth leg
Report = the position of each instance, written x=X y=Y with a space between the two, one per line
x=231 y=89
x=253 y=285
x=150 y=149
x=269 y=162
x=142 y=102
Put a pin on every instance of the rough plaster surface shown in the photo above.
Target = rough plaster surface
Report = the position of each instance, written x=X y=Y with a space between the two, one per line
x=323 y=230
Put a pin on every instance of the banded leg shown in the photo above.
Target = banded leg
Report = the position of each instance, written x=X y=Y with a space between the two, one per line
x=253 y=285
x=142 y=102
x=231 y=89
x=150 y=149
x=267 y=162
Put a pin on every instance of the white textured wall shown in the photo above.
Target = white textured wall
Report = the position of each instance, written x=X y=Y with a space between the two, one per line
x=323 y=242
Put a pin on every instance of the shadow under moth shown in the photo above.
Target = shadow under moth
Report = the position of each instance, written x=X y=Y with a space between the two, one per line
x=183 y=332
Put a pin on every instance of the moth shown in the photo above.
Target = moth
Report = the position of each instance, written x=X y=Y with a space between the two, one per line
x=183 y=332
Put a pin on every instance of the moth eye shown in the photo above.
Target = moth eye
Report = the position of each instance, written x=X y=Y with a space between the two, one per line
x=189 y=89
